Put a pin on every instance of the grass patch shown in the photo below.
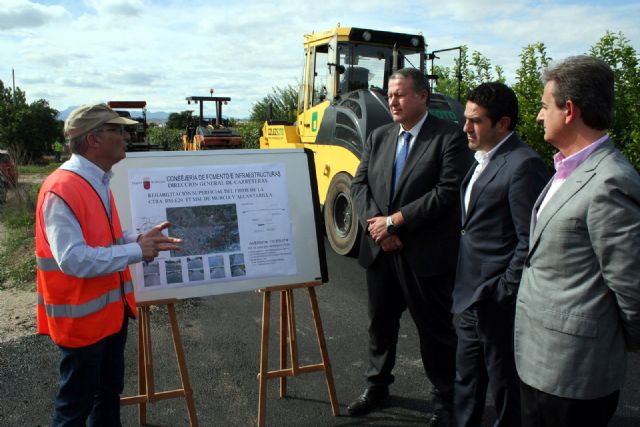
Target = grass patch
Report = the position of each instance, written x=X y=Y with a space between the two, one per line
x=17 y=240
x=38 y=169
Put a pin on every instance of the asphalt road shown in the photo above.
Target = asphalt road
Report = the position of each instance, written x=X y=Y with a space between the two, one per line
x=221 y=336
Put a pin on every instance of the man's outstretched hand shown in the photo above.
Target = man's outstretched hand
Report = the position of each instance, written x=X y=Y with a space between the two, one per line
x=153 y=241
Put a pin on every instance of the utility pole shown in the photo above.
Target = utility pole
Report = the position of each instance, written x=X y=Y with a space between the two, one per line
x=13 y=77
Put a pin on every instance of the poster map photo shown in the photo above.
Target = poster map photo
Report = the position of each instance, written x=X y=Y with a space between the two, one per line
x=208 y=229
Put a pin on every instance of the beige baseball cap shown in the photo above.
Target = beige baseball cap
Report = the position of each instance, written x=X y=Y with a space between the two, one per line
x=88 y=117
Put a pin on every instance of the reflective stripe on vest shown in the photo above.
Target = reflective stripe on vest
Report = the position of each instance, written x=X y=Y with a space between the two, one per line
x=47 y=264
x=89 y=307
x=50 y=264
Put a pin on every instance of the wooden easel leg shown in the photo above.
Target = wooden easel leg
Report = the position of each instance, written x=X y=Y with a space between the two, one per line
x=148 y=355
x=264 y=358
x=293 y=334
x=142 y=367
x=182 y=365
x=313 y=301
x=284 y=327
x=146 y=387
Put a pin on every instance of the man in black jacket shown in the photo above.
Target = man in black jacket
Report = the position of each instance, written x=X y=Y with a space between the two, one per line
x=406 y=194
x=497 y=195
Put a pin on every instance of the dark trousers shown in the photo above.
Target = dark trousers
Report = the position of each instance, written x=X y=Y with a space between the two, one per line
x=485 y=358
x=393 y=287
x=91 y=380
x=540 y=409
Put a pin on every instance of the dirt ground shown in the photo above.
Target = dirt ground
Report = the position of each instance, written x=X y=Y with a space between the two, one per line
x=17 y=314
x=17 y=305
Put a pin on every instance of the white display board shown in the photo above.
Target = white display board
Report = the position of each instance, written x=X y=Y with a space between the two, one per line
x=249 y=219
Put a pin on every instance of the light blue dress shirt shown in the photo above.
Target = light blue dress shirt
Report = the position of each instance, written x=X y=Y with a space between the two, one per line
x=414 y=131
x=67 y=243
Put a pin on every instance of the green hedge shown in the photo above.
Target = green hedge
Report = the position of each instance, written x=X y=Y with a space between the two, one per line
x=250 y=132
x=165 y=137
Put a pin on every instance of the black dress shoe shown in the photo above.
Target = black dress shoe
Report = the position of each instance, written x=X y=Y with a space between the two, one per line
x=371 y=399
x=441 y=417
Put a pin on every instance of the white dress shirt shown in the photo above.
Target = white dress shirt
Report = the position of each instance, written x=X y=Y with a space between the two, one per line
x=483 y=159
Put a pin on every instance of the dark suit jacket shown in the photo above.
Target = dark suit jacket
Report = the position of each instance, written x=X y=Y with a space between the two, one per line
x=427 y=193
x=495 y=230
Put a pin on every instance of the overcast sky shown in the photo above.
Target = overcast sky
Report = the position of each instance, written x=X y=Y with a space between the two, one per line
x=72 y=52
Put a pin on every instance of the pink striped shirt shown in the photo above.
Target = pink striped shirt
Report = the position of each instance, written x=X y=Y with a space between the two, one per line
x=566 y=165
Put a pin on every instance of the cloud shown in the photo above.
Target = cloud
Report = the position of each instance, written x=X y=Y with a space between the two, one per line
x=22 y=14
x=35 y=80
x=117 y=8
x=133 y=78
x=475 y=11
x=55 y=61
x=81 y=83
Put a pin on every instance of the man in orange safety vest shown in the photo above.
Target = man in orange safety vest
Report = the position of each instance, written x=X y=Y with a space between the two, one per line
x=85 y=293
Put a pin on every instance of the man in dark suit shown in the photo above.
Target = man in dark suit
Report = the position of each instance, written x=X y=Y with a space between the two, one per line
x=406 y=194
x=496 y=196
x=578 y=307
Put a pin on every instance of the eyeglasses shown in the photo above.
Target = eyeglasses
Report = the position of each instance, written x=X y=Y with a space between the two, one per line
x=119 y=130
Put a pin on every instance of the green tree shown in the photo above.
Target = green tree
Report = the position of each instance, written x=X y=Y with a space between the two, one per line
x=27 y=130
x=284 y=105
x=466 y=73
x=528 y=89
x=13 y=106
x=40 y=129
x=178 y=120
x=623 y=59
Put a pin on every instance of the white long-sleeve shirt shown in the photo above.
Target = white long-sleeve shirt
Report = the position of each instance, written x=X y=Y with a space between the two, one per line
x=67 y=243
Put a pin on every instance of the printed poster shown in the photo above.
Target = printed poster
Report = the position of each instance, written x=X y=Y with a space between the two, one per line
x=234 y=221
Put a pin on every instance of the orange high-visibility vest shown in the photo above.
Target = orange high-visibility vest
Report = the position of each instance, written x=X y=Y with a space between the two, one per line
x=76 y=311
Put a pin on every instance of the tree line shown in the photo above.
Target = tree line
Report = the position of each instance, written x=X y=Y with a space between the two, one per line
x=29 y=130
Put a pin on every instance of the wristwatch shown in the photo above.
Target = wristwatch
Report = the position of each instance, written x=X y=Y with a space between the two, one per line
x=391 y=228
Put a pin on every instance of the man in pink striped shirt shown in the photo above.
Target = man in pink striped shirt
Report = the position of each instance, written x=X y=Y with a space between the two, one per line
x=578 y=306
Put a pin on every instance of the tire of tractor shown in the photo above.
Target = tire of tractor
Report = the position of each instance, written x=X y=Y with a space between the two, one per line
x=340 y=218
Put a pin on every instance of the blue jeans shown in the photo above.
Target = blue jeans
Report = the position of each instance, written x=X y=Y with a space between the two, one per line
x=91 y=380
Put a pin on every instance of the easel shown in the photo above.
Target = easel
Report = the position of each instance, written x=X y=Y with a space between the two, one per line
x=288 y=333
x=146 y=387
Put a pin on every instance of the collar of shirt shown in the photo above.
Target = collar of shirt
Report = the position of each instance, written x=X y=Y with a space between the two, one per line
x=566 y=165
x=98 y=178
x=87 y=169
x=414 y=131
x=483 y=157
